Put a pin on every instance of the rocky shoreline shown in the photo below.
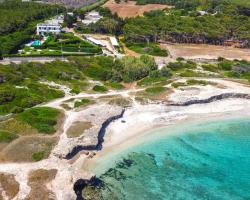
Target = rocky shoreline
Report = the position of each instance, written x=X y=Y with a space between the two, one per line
x=213 y=99
x=101 y=134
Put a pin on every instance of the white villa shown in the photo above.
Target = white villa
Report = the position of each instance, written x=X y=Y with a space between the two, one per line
x=114 y=41
x=91 y=17
x=50 y=26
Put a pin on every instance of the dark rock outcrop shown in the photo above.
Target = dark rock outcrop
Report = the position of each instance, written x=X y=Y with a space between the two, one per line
x=212 y=99
x=101 y=134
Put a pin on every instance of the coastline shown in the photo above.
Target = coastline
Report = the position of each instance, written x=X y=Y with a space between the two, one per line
x=137 y=133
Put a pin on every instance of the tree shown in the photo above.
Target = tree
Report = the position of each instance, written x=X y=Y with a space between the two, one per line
x=69 y=20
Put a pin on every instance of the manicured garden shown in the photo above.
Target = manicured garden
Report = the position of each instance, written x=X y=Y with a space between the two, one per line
x=62 y=44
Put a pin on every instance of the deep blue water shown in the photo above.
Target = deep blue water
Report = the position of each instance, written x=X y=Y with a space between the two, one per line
x=204 y=161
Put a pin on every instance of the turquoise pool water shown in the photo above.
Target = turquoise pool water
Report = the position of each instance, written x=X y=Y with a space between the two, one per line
x=36 y=43
x=204 y=161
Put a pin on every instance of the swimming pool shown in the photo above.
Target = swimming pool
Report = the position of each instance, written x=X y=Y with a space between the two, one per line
x=36 y=43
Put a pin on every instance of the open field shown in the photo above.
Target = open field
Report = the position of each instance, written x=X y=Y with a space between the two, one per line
x=193 y=51
x=130 y=9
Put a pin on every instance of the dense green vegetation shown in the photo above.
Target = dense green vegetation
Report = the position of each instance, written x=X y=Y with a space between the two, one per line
x=225 y=22
x=26 y=85
x=130 y=69
x=126 y=69
x=18 y=20
x=21 y=86
x=189 y=28
x=41 y=118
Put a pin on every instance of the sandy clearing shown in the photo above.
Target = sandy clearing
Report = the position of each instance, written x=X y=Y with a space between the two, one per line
x=130 y=9
x=204 y=51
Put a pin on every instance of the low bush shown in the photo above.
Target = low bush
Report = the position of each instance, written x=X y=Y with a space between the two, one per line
x=115 y=85
x=7 y=136
x=99 y=88
x=37 y=156
x=155 y=90
x=150 y=49
x=41 y=118
x=151 y=80
x=83 y=102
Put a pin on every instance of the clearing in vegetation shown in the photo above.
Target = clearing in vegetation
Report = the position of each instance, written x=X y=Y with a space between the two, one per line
x=28 y=149
x=78 y=128
x=130 y=9
x=192 y=51
x=38 y=180
x=9 y=185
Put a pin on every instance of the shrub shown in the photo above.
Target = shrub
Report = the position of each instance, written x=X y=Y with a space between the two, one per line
x=41 y=118
x=99 y=88
x=225 y=65
x=151 y=80
x=196 y=82
x=166 y=72
x=155 y=90
x=178 y=84
x=115 y=85
x=83 y=102
x=209 y=67
x=37 y=156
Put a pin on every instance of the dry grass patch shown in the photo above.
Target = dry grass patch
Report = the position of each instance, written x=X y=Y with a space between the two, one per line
x=205 y=51
x=120 y=101
x=153 y=94
x=78 y=128
x=9 y=185
x=15 y=126
x=37 y=181
x=24 y=149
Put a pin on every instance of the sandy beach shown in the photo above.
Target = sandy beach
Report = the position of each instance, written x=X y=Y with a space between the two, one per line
x=140 y=120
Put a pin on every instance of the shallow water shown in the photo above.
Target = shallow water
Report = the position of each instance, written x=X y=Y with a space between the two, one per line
x=196 y=161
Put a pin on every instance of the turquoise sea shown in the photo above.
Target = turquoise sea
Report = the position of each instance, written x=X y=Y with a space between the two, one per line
x=199 y=161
